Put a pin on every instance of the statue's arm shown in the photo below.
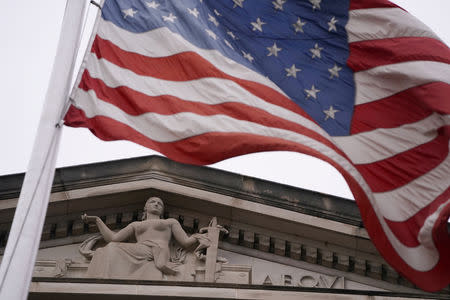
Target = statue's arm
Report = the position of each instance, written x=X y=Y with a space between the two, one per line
x=108 y=234
x=180 y=235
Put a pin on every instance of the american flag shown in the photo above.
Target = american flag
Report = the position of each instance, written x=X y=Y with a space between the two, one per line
x=361 y=84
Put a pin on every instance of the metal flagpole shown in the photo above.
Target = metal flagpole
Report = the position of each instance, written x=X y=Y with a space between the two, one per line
x=18 y=261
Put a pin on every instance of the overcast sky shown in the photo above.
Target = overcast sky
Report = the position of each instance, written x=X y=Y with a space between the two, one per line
x=30 y=33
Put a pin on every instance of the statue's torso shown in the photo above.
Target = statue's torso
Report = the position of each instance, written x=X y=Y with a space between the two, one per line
x=158 y=231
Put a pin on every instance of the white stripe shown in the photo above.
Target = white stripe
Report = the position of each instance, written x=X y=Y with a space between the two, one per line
x=384 y=81
x=372 y=146
x=171 y=128
x=402 y=203
x=206 y=90
x=383 y=23
x=184 y=125
x=162 y=42
x=425 y=235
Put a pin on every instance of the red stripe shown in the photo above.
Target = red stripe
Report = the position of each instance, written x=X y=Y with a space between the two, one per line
x=362 y=4
x=433 y=280
x=408 y=231
x=441 y=238
x=135 y=103
x=406 y=107
x=399 y=170
x=185 y=66
x=201 y=149
x=369 y=54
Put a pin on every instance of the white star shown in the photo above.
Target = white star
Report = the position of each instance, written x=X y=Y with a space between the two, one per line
x=169 y=18
x=316 y=51
x=332 y=24
x=248 y=56
x=298 y=26
x=258 y=24
x=278 y=4
x=330 y=113
x=232 y=35
x=315 y=3
x=334 y=71
x=193 y=12
x=130 y=12
x=292 y=71
x=217 y=13
x=152 y=4
x=211 y=34
x=228 y=44
x=312 y=92
x=273 y=50
x=213 y=20
x=239 y=3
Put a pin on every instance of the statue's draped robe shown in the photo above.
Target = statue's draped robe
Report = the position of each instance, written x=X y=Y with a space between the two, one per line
x=127 y=260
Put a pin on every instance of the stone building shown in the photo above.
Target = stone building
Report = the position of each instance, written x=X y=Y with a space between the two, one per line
x=267 y=240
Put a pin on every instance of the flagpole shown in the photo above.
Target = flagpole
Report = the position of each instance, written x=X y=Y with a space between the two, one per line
x=19 y=258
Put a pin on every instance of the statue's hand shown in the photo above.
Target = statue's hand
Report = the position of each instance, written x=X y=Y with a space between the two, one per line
x=203 y=241
x=88 y=219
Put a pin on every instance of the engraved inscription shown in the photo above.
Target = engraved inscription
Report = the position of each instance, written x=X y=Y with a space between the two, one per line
x=317 y=280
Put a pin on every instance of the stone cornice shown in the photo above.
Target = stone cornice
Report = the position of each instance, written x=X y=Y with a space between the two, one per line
x=201 y=178
x=132 y=289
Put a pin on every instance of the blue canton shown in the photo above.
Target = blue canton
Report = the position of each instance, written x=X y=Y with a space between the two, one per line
x=301 y=45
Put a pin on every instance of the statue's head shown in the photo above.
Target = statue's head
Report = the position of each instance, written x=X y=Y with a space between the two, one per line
x=154 y=206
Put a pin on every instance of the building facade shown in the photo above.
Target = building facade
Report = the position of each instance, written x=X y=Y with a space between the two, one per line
x=266 y=240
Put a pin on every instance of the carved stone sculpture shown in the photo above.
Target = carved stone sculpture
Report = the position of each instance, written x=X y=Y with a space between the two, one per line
x=150 y=256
